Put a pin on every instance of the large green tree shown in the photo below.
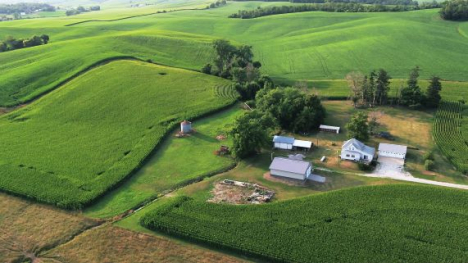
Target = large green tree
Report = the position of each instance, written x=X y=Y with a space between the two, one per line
x=251 y=133
x=224 y=54
x=358 y=127
x=294 y=110
x=433 y=93
x=455 y=10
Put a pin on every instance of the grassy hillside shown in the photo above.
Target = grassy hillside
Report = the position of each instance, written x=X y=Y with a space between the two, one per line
x=292 y=47
x=396 y=223
x=72 y=145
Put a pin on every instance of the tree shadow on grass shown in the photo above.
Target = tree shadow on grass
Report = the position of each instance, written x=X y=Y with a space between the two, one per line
x=205 y=137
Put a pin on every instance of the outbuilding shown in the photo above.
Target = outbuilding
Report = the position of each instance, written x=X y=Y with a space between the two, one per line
x=300 y=144
x=327 y=128
x=392 y=150
x=294 y=169
x=282 y=142
x=185 y=127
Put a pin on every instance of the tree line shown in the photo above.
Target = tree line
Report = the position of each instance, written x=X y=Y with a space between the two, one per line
x=380 y=2
x=328 y=7
x=456 y=10
x=81 y=9
x=373 y=90
x=25 y=8
x=12 y=43
x=217 y=4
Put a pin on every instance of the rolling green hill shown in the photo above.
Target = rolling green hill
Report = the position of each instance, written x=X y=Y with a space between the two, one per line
x=292 y=47
x=393 y=223
x=72 y=145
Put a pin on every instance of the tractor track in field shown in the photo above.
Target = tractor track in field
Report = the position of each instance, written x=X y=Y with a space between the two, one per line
x=134 y=16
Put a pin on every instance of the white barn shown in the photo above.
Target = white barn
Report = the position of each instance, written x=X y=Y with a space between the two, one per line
x=355 y=150
x=282 y=142
x=392 y=150
x=300 y=144
x=328 y=128
x=294 y=169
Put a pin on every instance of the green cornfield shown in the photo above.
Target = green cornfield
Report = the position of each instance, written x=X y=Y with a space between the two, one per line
x=451 y=135
x=74 y=144
x=393 y=223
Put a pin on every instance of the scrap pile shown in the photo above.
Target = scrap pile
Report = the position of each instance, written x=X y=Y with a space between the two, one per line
x=235 y=192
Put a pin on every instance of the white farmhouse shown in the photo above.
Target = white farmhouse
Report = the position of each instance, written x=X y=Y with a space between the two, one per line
x=392 y=150
x=355 y=150
x=294 y=169
x=282 y=142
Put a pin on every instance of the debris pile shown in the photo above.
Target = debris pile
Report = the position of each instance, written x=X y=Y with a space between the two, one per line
x=235 y=192
x=223 y=150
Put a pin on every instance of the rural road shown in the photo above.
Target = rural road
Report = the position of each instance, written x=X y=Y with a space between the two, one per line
x=405 y=176
x=410 y=178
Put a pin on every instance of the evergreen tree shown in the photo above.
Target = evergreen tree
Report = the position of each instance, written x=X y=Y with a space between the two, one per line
x=382 y=87
x=411 y=95
x=358 y=127
x=433 y=93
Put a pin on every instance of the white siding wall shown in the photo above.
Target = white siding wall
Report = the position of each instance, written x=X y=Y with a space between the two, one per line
x=390 y=154
x=356 y=157
x=283 y=146
x=288 y=175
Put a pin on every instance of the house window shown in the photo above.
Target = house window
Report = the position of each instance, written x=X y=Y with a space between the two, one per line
x=347 y=155
x=365 y=157
x=352 y=156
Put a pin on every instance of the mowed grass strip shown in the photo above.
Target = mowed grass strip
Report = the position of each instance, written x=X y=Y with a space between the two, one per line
x=394 y=223
x=177 y=162
x=77 y=142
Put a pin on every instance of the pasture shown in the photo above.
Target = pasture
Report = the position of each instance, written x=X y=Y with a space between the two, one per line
x=72 y=145
x=390 y=223
x=292 y=47
x=177 y=162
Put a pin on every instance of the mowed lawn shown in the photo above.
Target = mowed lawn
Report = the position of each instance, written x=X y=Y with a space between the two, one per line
x=177 y=162
x=395 y=223
x=77 y=142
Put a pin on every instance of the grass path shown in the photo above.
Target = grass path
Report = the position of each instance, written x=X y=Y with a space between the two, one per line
x=177 y=162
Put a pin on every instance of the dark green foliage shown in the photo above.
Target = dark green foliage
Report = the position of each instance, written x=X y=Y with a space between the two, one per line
x=429 y=156
x=327 y=7
x=450 y=134
x=217 y=4
x=358 y=127
x=393 y=223
x=250 y=133
x=25 y=7
x=81 y=9
x=429 y=165
x=11 y=43
x=411 y=95
x=455 y=10
x=382 y=87
x=379 y=2
x=433 y=97
x=294 y=110
x=207 y=68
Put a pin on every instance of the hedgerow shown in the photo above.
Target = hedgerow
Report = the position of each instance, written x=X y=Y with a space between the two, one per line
x=395 y=223
x=81 y=140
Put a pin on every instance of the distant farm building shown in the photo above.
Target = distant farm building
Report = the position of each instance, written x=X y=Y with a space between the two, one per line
x=294 y=169
x=289 y=143
x=282 y=142
x=392 y=150
x=300 y=144
x=185 y=127
x=355 y=150
x=327 y=128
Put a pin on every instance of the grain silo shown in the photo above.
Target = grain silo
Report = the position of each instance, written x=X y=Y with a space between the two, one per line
x=185 y=127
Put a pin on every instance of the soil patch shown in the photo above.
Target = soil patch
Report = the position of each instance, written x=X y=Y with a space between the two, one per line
x=235 y=192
